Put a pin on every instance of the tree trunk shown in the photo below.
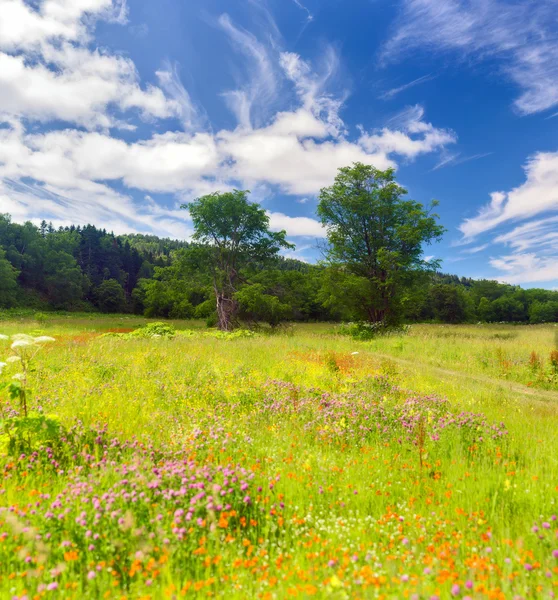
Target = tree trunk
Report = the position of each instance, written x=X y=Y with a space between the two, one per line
x=226 y=312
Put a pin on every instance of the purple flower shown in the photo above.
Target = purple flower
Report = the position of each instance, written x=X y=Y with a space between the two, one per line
x=455 y=589
x=528 y=566
x=555 y=553
x=52 y=586
x=91 y=575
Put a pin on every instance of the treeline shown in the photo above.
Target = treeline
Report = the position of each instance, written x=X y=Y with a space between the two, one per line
x=87 y=268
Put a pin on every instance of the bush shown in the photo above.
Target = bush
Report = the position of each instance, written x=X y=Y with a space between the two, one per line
x=363 y=330
x=110 y=296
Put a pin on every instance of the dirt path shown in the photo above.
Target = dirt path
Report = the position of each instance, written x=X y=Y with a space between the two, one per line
x=518 y=388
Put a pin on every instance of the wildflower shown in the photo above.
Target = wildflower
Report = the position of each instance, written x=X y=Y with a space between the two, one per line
x=21 y=344
x=2 y=365
x=4 y=337
x=455 y=589
x=52 y=586
x=13 y=359
x=469 y=584
x=528 y=566
x=91 y=575
x=555 y=553
x=44 y=339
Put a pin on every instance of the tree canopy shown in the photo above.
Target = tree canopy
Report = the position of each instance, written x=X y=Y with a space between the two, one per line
x=376 y=234
x=235 y=235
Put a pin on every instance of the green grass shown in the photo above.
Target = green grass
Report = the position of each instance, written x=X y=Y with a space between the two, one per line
x=339 y=507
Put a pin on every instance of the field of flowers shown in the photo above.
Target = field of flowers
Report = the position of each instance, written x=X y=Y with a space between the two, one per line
x=158 y=464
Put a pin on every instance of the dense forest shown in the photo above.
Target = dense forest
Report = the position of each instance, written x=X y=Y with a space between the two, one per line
x=89 y=269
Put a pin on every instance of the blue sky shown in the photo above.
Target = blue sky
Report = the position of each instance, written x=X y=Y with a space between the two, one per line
x=115 y=112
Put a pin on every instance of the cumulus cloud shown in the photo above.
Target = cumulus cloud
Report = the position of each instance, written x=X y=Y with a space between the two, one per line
x=533 y=242
x=289 y=136
x=520 y=34
x=48 y=70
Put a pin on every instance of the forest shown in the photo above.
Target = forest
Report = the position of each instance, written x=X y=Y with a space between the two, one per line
x=84 y=268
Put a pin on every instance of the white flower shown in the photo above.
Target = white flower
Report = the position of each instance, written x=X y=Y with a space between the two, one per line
x=4 y=337
x=44 y=339
x=18 y=376
x=13 y=359
x=21 y=344
x=2 y=365
x=353 y=353
x=22 y=336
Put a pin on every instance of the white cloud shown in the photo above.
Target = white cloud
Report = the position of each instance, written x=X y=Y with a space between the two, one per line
x=541 y=234
x=520 y=34
x=427 y=137
x=535 y=240
x=251 y=101
x=296 y=226
x=391 y=93
x=48 y=71
x=290 y=135
x=527 y=268
x=538 y=194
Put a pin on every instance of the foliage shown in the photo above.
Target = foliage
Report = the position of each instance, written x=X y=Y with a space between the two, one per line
x=377 y=235
x=242 y=466
x=255 y=305
x=8 y=282
x=110 y=296
x=235 y=234
x=151 y=330
x=364 y=330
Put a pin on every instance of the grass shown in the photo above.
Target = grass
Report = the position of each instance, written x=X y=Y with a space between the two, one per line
x=416 y=466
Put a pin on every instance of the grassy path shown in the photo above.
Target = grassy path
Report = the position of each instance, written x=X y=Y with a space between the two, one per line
x=509 y=386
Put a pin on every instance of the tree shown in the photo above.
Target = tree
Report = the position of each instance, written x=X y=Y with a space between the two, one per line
x=543 y=312
x=8 y=282
x=63 y=280
x=236 y=235
x=110 y=296
x=449 y=303
x=255 y=305
x=377 y=235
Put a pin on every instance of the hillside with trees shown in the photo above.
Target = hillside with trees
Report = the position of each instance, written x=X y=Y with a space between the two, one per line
x=232 y=272
x=88 y=269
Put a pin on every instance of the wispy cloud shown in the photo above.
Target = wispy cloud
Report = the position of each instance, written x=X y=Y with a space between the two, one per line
x=389 y=94
x=251 y=101
x=538 y=194
x=453 y=160
x=309 y=15
x=521 y=35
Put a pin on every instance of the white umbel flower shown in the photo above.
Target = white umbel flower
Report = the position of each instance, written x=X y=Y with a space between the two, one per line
x=22 y=337
x=21 y=344
x=44 y=339
x=13 y=359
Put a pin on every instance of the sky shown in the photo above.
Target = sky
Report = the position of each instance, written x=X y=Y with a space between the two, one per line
x=116 y=112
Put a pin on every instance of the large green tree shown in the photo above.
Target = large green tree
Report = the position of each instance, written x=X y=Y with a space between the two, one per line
x=377 y=235
x=236 y=236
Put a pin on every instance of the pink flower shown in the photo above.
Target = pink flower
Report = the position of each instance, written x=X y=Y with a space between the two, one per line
x=455 y=589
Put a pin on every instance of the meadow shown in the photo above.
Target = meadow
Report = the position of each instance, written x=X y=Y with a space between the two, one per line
x=300 y=464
